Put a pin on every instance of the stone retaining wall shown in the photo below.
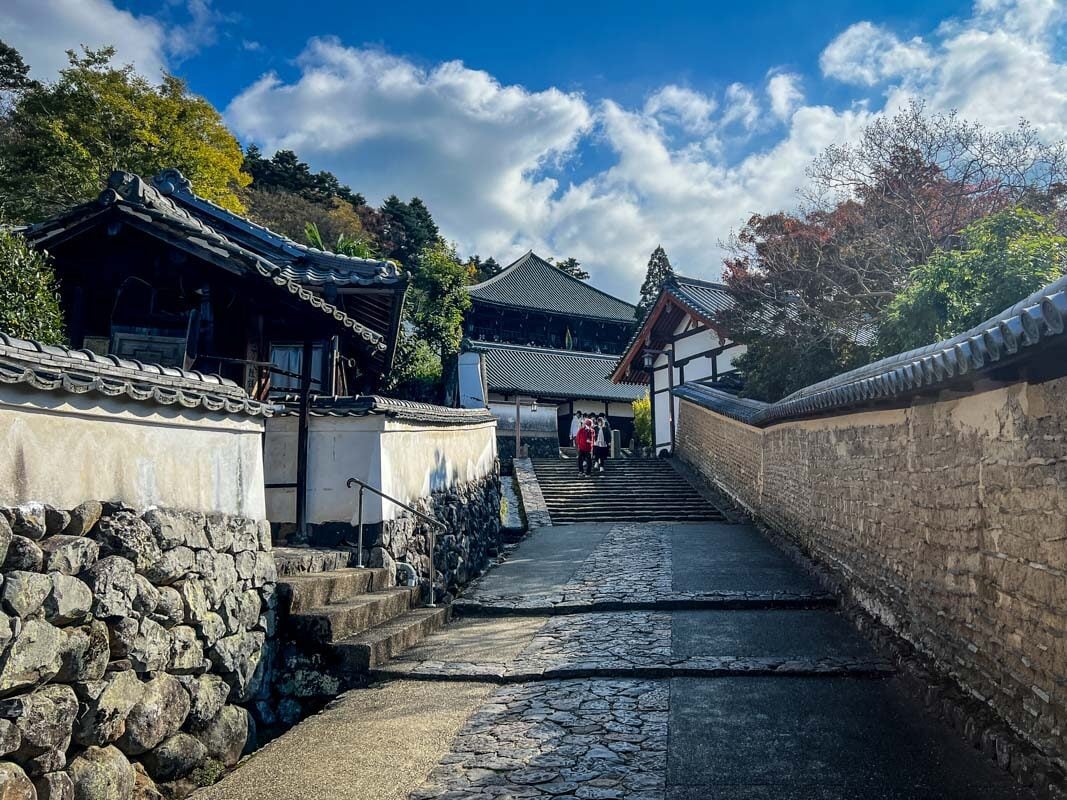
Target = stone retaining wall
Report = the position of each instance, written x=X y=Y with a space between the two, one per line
x=130 y=648
x=944 y=519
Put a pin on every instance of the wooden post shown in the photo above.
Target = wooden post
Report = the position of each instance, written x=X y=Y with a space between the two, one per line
x=518 y=427
x=670 y=393
x=302 y=441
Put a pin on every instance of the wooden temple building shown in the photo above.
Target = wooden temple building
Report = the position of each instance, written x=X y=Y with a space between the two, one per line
x=544 y=343
x=679 y=340
x=151 y=272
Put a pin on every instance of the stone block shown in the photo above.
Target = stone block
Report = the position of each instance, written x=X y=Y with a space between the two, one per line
x=101 y=773
x=54 y=786
x=224 y=737
x=32 y=657
x=23 y=593
x=69 y=555
x=69 y=600
x=175 y=758
x=174 y=565
x=104 y=706
x=159 y=713
x=125 y=534
x=84 y=654
x=14 y=784
x=207 y=694
x=23 y=554
x=83 y=518
x=111 y=580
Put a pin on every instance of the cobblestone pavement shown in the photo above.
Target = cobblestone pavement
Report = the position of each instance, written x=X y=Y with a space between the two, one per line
x=585 y=739
x=631 y=644
x=632 y=688
x=630 y=568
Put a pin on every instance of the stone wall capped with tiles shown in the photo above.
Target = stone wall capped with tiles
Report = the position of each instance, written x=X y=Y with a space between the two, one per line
x=946 y=519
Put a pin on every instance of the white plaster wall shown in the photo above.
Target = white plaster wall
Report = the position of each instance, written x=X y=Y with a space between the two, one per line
x=404 y=460
x=64 y=449
x=696 y=369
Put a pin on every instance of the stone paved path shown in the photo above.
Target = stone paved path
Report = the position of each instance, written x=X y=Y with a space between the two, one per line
x=676 y=662
x=634 y=662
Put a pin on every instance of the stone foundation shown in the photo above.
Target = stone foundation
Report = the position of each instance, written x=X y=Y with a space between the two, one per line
x=131 y=648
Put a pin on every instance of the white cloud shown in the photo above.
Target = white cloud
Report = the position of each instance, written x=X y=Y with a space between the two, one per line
x=43 y=30
x=866 y=54
x=741 y=106
x=692 y=110
x=783 y=89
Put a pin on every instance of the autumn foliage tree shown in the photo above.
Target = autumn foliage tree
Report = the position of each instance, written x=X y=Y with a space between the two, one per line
x=812 y=286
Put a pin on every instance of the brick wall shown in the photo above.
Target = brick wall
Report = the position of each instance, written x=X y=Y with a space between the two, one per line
x=946 y=519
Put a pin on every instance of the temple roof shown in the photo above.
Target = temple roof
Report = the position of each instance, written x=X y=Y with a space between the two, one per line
x=170 y=210
x=679 y=297
x=544 y=372
x=58 y=369
x=533 y=283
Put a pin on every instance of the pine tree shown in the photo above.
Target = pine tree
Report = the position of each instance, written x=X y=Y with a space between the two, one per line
x=659 y=272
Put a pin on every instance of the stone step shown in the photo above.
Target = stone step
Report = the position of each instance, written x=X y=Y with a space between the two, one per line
x=331 y=623
x=570 y=520
x=315 y=589
x=302 y=560
x=371 y=649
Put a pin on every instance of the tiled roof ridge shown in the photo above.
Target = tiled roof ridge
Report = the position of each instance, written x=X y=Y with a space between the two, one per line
x=57 y=368
x=1002 y=339
x=173 y=184
x=685 y=279
x=369 y=404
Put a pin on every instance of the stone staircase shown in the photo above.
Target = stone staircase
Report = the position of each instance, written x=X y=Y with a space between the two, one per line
x=629 y=490
x=358 y=616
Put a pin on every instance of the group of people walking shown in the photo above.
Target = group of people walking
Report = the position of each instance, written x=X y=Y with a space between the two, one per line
x=591 y=434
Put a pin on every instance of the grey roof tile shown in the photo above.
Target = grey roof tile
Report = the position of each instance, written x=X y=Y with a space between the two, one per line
x=545 y=372
x=533 y=283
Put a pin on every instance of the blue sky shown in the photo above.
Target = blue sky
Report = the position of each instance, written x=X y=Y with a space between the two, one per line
x=594 y=130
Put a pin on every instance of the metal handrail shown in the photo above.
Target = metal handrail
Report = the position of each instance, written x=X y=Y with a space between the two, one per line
x=433 y=523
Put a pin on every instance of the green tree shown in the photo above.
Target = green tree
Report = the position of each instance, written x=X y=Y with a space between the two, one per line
x=285 y=172
x=478 y=270
x=573 y=268
x=14 y=72
x=416 y=372
x=439 y=299
x=659 y=272
x=29 y=297
x=1004 y=257
x=642 y=421
x=60 y=140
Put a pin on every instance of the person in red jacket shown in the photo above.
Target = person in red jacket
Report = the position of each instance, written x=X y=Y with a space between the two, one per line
x=584 y=441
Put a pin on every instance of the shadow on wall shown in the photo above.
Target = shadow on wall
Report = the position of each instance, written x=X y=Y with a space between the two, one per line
x=438 y=476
